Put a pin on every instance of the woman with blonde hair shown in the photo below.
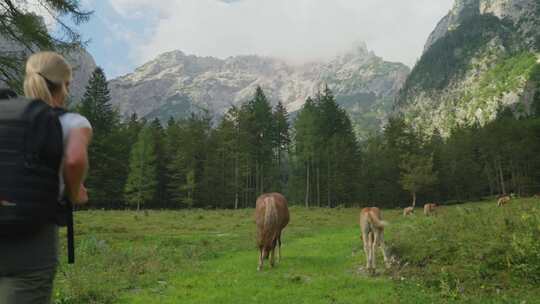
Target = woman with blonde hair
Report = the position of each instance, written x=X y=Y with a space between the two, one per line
x=28 y=263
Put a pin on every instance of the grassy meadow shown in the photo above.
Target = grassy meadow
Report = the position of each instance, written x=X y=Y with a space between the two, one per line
x=471 y=253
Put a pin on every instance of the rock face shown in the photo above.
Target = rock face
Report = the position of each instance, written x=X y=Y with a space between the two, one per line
x=83 y=65
x=480 y=59
x=520 y=12
x=176 y=84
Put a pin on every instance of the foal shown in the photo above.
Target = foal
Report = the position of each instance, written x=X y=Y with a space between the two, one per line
x=408 y=210
x=429 y=209
x=372 y=228
x=503 y=200
x=271 y=216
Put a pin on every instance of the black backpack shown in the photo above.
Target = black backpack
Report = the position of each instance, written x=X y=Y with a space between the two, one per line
x=31 y=150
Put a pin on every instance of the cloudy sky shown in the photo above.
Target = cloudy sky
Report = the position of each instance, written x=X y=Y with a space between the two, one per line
x=126 y=33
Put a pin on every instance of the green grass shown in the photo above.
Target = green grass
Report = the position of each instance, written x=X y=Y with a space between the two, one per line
x=210 y=257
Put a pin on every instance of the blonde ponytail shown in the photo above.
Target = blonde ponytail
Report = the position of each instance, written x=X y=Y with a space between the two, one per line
x=47 y=77
x=36 y=87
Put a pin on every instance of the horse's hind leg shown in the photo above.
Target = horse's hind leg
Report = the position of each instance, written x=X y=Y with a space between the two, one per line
x=261 y=259
x=279 y=247
x=272 y=257
x=373 y=246
x=379 y=242
x=387 y=261
x=365 y=240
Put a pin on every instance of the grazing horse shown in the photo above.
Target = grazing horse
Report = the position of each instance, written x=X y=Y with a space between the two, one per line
x=408 y=211
x=372 y=228
x=429 y=209
x=271 y=216
x=503 y=200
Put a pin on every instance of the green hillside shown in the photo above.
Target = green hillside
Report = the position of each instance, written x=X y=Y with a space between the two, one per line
x=472 y=73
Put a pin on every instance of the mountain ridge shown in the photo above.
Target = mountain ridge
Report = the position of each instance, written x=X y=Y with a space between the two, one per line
x=176 y=83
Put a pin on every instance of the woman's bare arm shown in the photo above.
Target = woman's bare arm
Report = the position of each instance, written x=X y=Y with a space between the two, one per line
x=76 y=164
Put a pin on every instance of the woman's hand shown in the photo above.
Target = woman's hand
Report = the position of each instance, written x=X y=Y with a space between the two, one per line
x=82 y=197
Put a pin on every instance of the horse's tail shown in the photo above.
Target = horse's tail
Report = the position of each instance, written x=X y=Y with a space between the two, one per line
x=271 y=222
x=376 y=221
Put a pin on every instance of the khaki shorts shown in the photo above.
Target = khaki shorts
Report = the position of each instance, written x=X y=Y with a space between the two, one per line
x=27 y=288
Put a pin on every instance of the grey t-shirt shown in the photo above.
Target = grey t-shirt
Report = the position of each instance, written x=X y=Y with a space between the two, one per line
x=40 y=251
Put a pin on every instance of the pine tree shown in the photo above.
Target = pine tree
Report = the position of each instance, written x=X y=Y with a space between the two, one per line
x=158 y=134
x=257 y=129
x=133 y=127
x=337 y=144
x=345 y=161
x=171 y=147
x=108 y=168
x=142 y=180
x=96 y=106
x=186 y=169
x=282 y=141
x=326 y=149
x=222 y=167
x=306 y=144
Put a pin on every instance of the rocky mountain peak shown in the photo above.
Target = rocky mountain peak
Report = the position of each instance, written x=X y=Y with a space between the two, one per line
x=175 y=84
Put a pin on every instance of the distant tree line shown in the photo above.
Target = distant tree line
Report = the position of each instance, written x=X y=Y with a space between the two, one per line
x=314 y=159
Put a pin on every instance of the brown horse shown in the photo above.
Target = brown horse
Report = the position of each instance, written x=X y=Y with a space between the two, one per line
x=372 y=227
x=271 y=216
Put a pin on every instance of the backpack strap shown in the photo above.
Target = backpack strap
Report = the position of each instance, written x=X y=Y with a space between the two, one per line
x=70 y=232
x=67 y=205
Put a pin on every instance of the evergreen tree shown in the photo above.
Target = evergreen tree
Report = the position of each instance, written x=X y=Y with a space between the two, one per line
x=171 y=147
x=338 y=143
x=186 y=169
x=161 y=161
x=142 y=180
x=261 y=136
x=282 y=141
x=345 y=162
x=306 y=143
x=96 y=106
x=133 y=127
x=254 y=158
x=326 y=149
x=108 y=167
x=223 y=168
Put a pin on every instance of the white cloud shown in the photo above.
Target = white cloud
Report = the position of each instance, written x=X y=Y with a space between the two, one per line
x=140 y=8
x=299 y=30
